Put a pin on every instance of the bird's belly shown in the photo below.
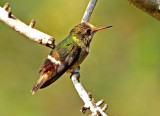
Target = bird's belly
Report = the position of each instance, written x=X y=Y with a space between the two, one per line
x=79 y=61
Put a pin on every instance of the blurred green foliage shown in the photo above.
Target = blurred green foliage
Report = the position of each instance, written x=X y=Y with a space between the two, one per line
x=123 y=67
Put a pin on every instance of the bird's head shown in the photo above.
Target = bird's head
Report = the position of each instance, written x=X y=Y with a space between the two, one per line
x=85 y=31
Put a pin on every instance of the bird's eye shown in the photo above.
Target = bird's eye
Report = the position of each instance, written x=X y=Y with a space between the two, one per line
x=88 y=31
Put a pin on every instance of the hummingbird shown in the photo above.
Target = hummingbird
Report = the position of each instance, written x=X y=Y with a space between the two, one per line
x=67 y=55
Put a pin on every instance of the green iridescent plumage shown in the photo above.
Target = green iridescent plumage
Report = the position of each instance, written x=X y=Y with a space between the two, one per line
x=67 y=55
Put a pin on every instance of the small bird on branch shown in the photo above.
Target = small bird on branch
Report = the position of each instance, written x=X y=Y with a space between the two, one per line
x=67 y=55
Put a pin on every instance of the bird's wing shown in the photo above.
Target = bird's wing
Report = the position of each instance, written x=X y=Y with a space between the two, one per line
x=52 y=70
x=64 y=66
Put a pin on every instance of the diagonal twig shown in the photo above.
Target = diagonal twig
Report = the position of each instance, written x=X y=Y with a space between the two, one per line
x=33 y=34
x=87 y=98
x=89 y=10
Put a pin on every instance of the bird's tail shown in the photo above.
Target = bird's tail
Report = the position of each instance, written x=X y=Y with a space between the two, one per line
x=46 y=70
x=43 y=78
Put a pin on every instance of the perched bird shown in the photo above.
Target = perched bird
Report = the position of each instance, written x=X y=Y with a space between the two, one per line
x=67 y=55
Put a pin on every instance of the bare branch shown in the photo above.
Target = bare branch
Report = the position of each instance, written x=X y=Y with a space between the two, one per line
x=152 y=7
x=87 y=98
x=89 y=10
x=24 y=29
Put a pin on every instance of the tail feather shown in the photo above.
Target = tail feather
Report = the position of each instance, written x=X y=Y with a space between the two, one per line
x=43 y=78
x=46 y=70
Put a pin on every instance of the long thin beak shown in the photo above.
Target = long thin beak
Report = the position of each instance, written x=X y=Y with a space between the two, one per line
x=100 y=28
